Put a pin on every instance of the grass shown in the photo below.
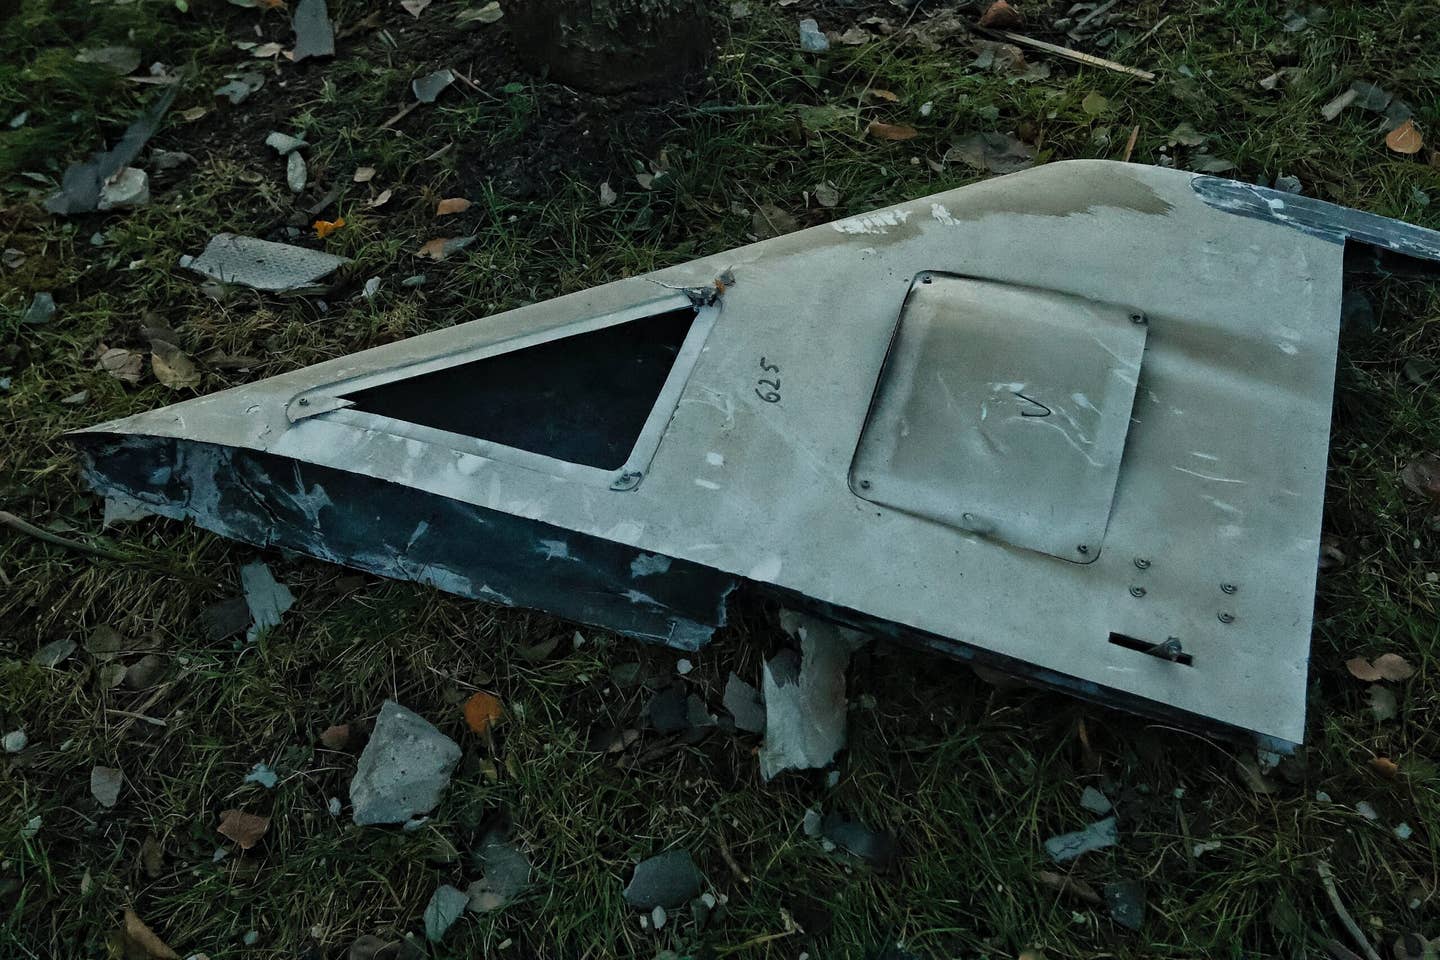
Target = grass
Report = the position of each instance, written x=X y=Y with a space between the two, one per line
x=970 y=778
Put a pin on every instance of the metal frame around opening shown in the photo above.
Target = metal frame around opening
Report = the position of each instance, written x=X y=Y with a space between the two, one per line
x=327 y=400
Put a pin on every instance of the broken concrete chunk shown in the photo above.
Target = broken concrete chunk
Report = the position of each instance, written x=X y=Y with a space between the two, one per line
x=805 y=703
x=743 y=702
x=812 y=38
x=507 y=871
x=1094 y=801
x=41 y=310
x=105 y=785
x=1097 y=836
x=445 y=906
x=403 y=770
x=81 y=185
x=314 y=34
x=265 y=597
x=283 y=143
x=1126 y=900
x=296 y=173
x=262 y=264
x=666 y=880
x=430 y=86
x=129 y=187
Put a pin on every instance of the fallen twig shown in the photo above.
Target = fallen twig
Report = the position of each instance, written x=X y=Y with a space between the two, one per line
x=729 y=858
x=29 y=529
x=1074 y=55
x=1130 y=144
x=1327 y=880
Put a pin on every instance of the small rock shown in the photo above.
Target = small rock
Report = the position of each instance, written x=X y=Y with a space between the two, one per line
x=143 y=673
x=263 y=775
x=1288 y=184
x=40 y=311
x=1094 y=801
x=812 y=38
x=430 y=86
x=128 y=188
x=683 y=666
x=666 y=880
x=743 y=702
x=296 y=173
x=283 y=143
x=105 y=785
x=403 y=770
x=445 y=906
x=15 y=741
x=507 y=872
x=1127 y=903
x=658 y=916
x=265 y=597
x=1001 y=16
x=1099 y=835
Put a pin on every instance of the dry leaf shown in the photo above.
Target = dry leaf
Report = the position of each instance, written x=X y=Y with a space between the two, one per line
x=172 y=367
x=482 y=711
x=363 y=174
x=539 y=651
x=442 y=247
x=323 y=228
x=1001 y=16
x=1387 y=666
x=143 y=938
x=884 y=95
x=891 y=131
x=193 y=114
x=122 y=364
x=1405 y=138
x=336 y=737
x=380 y=200
x=1385 y=767
x=451 y=205
x=152 y=857
x=415 y=7
x=1422 y=476
x=246 y=829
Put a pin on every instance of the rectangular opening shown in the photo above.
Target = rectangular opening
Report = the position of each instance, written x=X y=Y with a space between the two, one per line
x=1160 y=651
x=583 y=399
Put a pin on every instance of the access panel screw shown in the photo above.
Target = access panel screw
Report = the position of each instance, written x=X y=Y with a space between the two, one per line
x=1137 y=591
x=1228 y=588
x=1141 y=563
x=1139 y=318
x=1225 y=617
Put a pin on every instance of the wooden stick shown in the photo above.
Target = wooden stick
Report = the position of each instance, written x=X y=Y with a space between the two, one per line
x=25 y=527
x=1327 y=880
x=1074 y=55
x=1130 y=144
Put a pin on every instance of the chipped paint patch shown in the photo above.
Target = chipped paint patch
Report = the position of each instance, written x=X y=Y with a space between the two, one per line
x=649 y=564
x=878 y=222
x=938 y=212
x=553 y=549
x=706 y=484
x=766 y=570
x=715 y=459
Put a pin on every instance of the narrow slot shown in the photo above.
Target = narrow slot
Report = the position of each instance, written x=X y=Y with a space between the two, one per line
x=1168 y=650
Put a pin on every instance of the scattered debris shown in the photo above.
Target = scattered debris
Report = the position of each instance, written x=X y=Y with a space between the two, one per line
x=53 y=653
x=1001 y=16
x=812 y=38
x=415 y=7
x=445 y=907
x=166 y=160
x=266 y=598
x=236 y=91
x=1094 y=801
x=825 y=194
x=14 y=741
x=104 y=643
x=283 y=143
x=476 y=16
x=117 y=60
x=314 y=34
x=145 y=940
x=607 y=194
x=442 y=247
x=875 y=847
x=1070 y=886
x=1097 y=836
x=126 y=189
x=261 y=264
x=1075 y=55
x=1387 y=666
x=482 y=711
x=105 y=785
x=82 y=183
x=507 y=872
x=451 y=205
x=363 y=175
x=263 y=775
x=995 y=152
x=323 y=229
x=743 y=702
x=669 y=879
x=430 y=86
x=122 y=364
x=403 y=770
x=245 y=829
x=1422 y=476
x=1405 y=139
x=296 y=173
x=336 y=737
x=380 y=199
x=372 y=286
x=1126 y=900
x=40 y=311
x=805 y=705
x=891 y=131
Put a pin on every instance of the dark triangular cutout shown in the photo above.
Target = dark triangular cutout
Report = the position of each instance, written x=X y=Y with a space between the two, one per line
x=582 y=399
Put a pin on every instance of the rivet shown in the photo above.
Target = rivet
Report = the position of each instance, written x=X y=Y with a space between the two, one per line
x=1139 y=318
x=1083 y=548
x=304 y=401
x=1225 y=617
x=864 y=484
x=1227 y=588
x=1137 y=591
x=925 y=279
x=1142 y=564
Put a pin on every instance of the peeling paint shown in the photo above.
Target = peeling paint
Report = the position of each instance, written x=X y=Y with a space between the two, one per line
x=649 y=564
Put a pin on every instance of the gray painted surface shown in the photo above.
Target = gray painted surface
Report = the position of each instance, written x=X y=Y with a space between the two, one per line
x=1214 y=528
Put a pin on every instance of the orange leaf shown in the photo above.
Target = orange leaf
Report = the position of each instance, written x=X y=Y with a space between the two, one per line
x=323 y=228
x=1385 y=767
x=482 y=711
x=451 y=205
x=1001 y=16
x=891 y=131
x=879 y=94
x=1405 y=138
x=143 y=937
x=246 y=829
x=336 y=737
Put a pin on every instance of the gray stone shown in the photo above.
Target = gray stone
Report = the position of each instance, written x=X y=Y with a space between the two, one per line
x=130 y=187
x=665 y=880
x=445 y=906
x=812 y=38
x=314 y=34
x=404 y=769
x=105 y=785
x=40 y=311
x=430 y=86
x=283 y=143
x=743 y=702
x=1094 y=801
x=1068 y=846
x=296 y=173
x=507 y=871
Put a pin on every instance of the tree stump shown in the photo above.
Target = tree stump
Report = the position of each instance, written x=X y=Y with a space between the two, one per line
x=606 y=46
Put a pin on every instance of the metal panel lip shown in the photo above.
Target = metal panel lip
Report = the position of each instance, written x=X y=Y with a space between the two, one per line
x=1001 y=410
x=327 y=402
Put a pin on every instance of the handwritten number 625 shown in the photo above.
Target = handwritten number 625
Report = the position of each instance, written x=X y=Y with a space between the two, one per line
x=772 y=391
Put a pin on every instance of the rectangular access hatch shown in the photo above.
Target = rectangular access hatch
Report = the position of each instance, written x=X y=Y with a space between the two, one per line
x=1002 y=410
